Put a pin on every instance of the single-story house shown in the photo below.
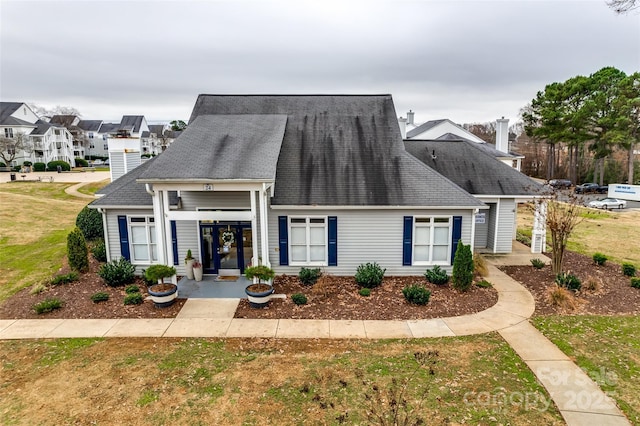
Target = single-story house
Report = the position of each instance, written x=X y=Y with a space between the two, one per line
x=290 y=181
x=474 y=167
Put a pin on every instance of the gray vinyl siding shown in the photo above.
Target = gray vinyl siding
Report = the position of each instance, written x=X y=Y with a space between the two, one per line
x=192 y=200
x=116 y=164
x=480 y=240
x=113 y=233
x=365 y=236
x=188 y=239
x=504 y=240
x=491 y=226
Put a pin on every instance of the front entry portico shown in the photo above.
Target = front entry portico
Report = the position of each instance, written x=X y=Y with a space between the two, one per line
x=226 y=245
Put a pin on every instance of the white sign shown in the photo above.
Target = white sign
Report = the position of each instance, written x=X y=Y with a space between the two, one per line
x=624 y=192
x=208 y=187
x=481 y=217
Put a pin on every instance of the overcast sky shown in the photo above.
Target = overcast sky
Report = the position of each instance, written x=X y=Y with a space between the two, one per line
x=470 y=61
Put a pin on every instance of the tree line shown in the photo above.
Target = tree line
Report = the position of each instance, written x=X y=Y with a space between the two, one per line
x=584 y=121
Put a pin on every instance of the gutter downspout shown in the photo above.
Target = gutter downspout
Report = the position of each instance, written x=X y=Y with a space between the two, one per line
x=106 y=233
x=473 y=229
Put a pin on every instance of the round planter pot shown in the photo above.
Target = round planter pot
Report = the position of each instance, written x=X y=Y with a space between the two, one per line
x=197 y=274
x=163 y=295
x=259 y=295
x=189 y=268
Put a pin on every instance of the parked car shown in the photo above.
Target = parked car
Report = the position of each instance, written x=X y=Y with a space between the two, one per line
x=607 y=203
x=560 y=183
x=589 y=187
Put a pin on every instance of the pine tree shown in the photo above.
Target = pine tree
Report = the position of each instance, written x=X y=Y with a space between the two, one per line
x=77 y=251
x=462 y=275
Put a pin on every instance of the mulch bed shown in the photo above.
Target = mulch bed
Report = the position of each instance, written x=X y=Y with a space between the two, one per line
x=76 y=299
x=386 y=302
x=614 y=295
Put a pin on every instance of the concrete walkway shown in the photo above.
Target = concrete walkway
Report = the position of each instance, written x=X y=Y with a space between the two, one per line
x=579 y=399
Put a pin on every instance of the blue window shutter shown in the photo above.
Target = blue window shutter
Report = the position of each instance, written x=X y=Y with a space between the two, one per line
x=124 y=237
x=283 y=240
x=407 y=241
x=174 y=242
x=333 y=240
x=456 y=235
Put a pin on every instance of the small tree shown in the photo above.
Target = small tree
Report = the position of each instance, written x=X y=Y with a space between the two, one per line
x=462 y=275
x=77 y=251
x=10 y=148
x=562 y=218
x=90 y=223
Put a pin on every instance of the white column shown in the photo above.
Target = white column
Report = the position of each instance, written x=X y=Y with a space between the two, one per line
x=254 y=228
x=264 y=227
x=158 y=220
x=539 y=233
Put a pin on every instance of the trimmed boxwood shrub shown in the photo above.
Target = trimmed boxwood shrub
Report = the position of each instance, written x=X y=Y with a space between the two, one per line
x=132 y=288
x=635 y=282
x=369 y=275
x=39 y=167
x=437 y=276
x=81 y=162
x=309 y=276
x=77 y=251
x=27 y=163
x=117 y=272
x=628 y=269
x=599 y=259
x=100 y=296
x=52 y=166
x=133 y=299
x=90 y=222
x=299 y=299
x=416 y=294
x=366 y=292
x=462 y=275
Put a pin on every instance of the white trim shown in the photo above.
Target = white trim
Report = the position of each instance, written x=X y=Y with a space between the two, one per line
x=308 y=240
x=254 y=229
x=146 y=225
x=432 y=225
x=225 y=215
x=322 y=207
x=496 y=223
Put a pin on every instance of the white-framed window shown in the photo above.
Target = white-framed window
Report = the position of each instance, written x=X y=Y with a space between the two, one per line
x=432 y=240
x=142 y=237
x=308 y=240
x=8 y=132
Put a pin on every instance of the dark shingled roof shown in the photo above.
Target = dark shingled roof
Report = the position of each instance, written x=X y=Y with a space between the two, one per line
x=131 y=122
x=8 y=108
x=486 y=147
x=337 y=150
x=472 y=167
x=125 y=191
x=157 y=129
x=424 y=127
x=65 y=120
x=90 y=125
x=42 y=127
x=216 y=147
x=109 y=127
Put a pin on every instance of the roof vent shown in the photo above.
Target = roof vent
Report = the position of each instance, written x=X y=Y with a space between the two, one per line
x=433 y=155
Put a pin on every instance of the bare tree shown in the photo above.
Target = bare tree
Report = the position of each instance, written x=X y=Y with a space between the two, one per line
x=623 y=6
x=562 y=218
x=10 y=148
x=45 y=113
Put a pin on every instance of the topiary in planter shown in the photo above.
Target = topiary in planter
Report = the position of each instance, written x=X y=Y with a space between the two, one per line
x=159 y=272
x=261 y=272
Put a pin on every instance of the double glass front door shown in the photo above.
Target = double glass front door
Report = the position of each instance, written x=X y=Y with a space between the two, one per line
x=226 y=246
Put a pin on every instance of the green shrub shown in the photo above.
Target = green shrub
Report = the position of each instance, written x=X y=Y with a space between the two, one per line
x=484 y=284
x=99 y=250
x=437 y=276
x=299 y=298
x=568 y=281
x=146 y=280
x=117 y=272
x=366 y=292
x=100 y=296
x=39 y=167
x=635 y=282
x=131 y=289
x=65 y=279
x=416 y=294
x=309 y=276
x=52 y=166
x=133 y=299
x=462 y=275
x=81 y=162
x=628 y=269
x=599 y=259
x=156 y=273
x=47 y=305
x=369 y=275
x=27 y=163
x=90 y=222
x=37 y=288
x=77 y=251
x=537 y=263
